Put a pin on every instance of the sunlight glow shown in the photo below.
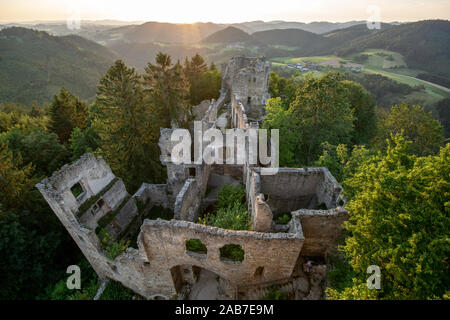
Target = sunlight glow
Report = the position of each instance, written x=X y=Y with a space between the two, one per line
x=180 y=11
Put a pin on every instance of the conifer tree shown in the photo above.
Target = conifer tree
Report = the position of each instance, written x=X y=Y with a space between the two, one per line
x=167 y=89
x=128 y=128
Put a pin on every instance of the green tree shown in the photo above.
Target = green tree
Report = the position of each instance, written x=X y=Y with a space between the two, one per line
x=417 y=125
x=443 y=111
x=320 y=112
x=83 y=141
x=283 y=88
x=193 y=70
x=279 y=118
x=66 y=113
x=399 y=220
x=209 y=85
x=364 y=111
x=37 y=147
x=167 y=89
x=340 y=161
x=128 y=128
x=14 y=180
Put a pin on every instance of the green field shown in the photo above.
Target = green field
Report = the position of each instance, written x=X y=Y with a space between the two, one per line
x=386 y=63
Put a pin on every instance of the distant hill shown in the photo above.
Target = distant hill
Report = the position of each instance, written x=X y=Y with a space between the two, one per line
x=342 y=37
x=424 y=44
x=314 y=27
x=307 y=42
x=168 y=32
x=108 y=32
x=35 y=65
x=230 y=35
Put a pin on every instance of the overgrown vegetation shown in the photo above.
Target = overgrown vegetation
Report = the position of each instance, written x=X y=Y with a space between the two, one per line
x=196 y=245
x=232 y=252
x=274 y=294
x=90 y=202
x=116 y=291
x=112 y=248
x=283 y=218
x=230 y=211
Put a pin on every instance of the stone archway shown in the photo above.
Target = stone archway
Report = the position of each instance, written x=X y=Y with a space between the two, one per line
x=202 y=284
x=207 y=286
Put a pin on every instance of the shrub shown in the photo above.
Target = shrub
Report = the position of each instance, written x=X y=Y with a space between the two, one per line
x=234 y=217
x=228 y=195
x=112 y=248
x=195 y=245
x=274 y=294
x=284 y=218
x=232 y=252
x=116 y=291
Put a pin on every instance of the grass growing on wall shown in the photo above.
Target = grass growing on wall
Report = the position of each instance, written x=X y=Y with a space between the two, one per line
x=88 y=203
x=112 y=248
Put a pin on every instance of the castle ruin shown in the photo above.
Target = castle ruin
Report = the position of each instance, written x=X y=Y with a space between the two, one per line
x=158 y=265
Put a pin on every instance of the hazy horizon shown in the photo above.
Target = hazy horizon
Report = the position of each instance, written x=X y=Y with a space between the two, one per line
x=233 y=11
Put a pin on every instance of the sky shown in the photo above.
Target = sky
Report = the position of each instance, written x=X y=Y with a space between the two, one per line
x=224 y=11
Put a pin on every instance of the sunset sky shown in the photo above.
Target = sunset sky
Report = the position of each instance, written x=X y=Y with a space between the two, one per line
x=228 y=11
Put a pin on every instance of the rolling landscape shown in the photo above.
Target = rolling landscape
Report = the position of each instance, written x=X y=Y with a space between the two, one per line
x=354 y=204
x=423 y=64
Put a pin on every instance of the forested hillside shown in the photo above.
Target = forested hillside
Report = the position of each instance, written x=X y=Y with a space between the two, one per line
x=230 y=35
x=35 y=65
x=424 y=44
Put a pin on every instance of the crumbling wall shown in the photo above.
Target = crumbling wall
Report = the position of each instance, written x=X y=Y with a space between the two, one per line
x=247 y=79
x=187 y=204
x=293 y=189
x=92 y=174
x=199 y=111
x=262 y=217
x=106 y=203
x=277 y=253
x=322 y=230
x=130 y=268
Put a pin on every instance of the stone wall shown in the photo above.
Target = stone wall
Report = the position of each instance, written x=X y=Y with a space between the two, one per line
x=277 y=253
x=247 y=79
x=130 y=268
x=188 y=202
x=293 y=189
x=108 y=202
x=322 y=230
